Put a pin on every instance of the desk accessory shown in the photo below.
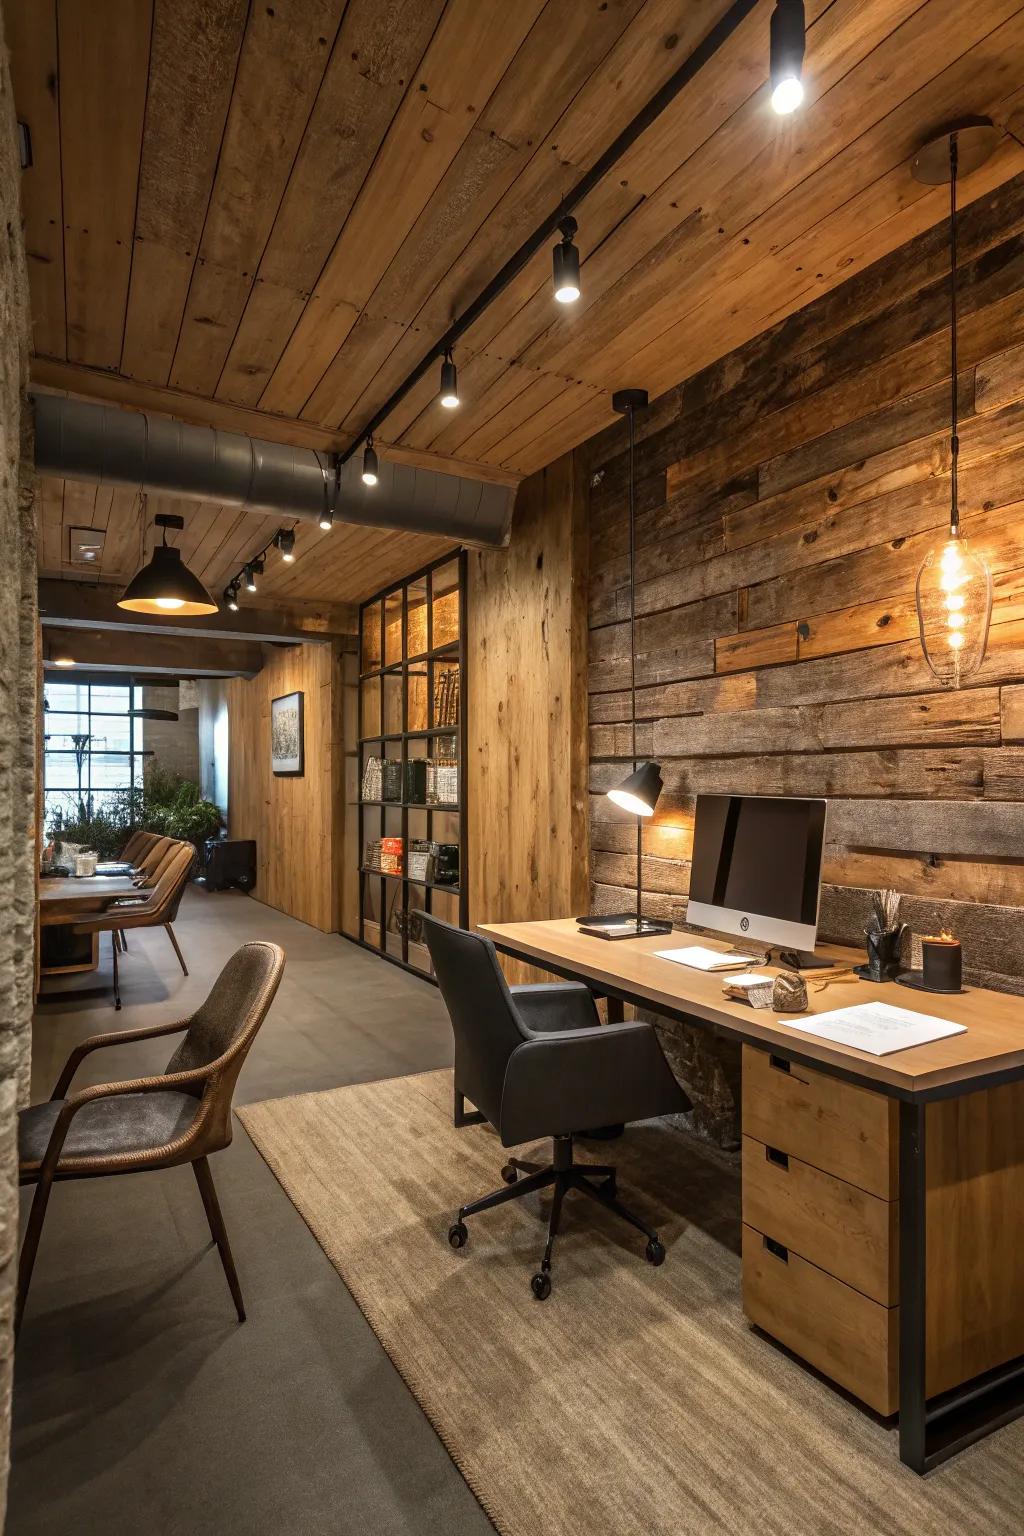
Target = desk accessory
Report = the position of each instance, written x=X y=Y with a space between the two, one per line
x=784 y=993
x=883 y=936
x=621 y=925
x=941 y=966
x=638 y=793
x=700 y=958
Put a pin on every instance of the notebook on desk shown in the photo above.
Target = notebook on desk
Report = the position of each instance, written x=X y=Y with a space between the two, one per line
x=700 y=958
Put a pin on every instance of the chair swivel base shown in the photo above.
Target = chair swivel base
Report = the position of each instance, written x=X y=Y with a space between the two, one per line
x=563 y=1175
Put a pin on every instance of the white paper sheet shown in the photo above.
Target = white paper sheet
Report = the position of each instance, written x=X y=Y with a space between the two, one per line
x=702 y=959
x=879 y=1028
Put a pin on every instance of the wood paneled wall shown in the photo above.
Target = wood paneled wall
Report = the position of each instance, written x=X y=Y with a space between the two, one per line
x=787 y=496
x=297 y=822
x=526 y=659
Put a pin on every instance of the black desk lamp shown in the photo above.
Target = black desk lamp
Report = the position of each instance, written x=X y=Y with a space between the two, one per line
x=639 y=793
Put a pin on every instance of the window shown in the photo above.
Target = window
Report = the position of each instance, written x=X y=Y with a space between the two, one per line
x=92 y=745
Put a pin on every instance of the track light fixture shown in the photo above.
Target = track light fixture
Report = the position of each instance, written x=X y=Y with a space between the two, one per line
x=252 y=570
x=165 y=584
x=449 y=393
x=370 y=467
x=787 y=55
x=284 y=540
x=326 y=519
x=565 y=260
x=231 y=596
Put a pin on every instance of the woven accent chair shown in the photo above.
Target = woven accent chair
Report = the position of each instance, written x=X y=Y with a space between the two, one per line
x=179 y=1116
x=155 y=908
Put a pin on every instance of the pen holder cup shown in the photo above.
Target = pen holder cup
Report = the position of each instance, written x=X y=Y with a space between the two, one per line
x=884 y=952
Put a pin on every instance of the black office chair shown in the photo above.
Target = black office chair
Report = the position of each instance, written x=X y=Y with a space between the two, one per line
x=536 y=1061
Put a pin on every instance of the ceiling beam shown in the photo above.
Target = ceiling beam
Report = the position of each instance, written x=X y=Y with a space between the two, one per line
x=107 y=650
x=97 y=384
x=73 y=604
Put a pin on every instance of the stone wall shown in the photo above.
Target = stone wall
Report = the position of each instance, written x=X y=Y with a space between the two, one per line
x=173 y=743
x=19 y=698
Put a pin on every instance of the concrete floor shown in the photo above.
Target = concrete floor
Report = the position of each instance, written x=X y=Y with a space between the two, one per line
x=140 y=1404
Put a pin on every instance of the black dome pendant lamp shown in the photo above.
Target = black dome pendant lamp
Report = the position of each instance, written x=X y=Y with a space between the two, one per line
x=165 y=584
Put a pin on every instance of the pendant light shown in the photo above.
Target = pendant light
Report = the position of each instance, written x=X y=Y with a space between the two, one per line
x=449 y=391
x=165 y=584
x=371 y=470
x=565 y=262
x=638 y=793
x=788 y=40
x=954 y=585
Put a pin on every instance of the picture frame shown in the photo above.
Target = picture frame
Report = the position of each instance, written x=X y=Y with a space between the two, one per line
x=287 y=736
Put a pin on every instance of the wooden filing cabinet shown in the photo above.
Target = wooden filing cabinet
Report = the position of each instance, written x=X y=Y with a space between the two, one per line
x=821 y=1227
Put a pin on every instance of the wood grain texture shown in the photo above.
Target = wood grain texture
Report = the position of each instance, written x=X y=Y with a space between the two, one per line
x=297 y=822
x=526 y=714
x=786 y=498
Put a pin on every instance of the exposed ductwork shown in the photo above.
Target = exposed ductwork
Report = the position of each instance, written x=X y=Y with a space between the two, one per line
x=79 y=440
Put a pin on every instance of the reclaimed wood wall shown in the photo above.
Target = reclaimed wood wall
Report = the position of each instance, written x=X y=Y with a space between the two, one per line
x=786 y=496
x=527 y=658
x=297 y=822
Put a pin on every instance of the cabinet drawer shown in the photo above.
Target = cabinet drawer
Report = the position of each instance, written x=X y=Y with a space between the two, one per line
x=839 y=1331
x=836 y=1225
x=835 y=1126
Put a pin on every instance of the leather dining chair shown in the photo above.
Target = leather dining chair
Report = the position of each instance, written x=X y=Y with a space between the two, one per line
x=180 y=1115
x=150 y=908
x=136 y=847
x=536 y=1062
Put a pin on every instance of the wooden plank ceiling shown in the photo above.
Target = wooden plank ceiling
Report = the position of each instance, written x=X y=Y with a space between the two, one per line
x=260 y=216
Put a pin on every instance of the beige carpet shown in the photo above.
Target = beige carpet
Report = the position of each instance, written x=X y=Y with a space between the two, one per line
x=635 y=1401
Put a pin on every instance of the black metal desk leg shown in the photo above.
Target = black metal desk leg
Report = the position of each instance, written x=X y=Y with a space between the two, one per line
x=913 y=1415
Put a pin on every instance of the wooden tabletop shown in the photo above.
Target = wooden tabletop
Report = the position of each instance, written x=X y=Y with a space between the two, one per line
x=72 y=893
x=994 y=1041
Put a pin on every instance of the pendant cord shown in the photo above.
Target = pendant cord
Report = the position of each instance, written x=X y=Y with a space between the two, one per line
x=632 y=646
x=954 y=511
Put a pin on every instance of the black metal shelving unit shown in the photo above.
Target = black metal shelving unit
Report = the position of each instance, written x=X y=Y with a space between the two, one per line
x=400 y=664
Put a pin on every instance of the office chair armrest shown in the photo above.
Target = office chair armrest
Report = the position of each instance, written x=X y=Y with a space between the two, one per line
x=113 y=1037
x=552 y=1006
x=558 y=1083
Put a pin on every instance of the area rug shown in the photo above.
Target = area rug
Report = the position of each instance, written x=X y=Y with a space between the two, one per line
x=635 y=1401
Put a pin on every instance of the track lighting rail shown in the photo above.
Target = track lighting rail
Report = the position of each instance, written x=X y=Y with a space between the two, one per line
x=663 y=98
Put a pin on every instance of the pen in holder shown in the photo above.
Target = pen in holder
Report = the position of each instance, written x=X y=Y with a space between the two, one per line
x=883 y=949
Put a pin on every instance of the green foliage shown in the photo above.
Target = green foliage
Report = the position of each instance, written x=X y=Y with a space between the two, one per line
x=166 y=803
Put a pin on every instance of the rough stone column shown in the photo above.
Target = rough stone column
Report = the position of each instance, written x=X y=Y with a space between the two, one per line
x=19 y=699
x=709 y=1070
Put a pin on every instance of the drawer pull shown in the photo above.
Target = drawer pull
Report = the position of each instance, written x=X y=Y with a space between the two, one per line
x=777 y=1250
x=780 y=1159
x=779 y=1063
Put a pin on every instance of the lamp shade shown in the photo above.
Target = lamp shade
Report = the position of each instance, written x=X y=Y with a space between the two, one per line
x=640 y=792
x=166 y=585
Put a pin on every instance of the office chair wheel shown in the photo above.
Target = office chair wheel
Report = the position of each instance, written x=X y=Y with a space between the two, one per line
x=654 y=1253
x=509 y=1174
x=540 y=1285
x=458 y=1234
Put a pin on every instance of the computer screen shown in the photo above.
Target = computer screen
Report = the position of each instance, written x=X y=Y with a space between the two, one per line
x=756 y=867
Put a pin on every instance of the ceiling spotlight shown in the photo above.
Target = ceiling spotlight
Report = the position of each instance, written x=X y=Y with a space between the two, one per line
x=231 y=596
x=370 y=467
x=326 y=519
x=284 y=540
x=165 y=584
x=449 y=393
x=252 y=570
x=787 y=55
x=565 y=260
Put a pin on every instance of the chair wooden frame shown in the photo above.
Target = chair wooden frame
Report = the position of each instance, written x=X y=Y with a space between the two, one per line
x=210 y=1131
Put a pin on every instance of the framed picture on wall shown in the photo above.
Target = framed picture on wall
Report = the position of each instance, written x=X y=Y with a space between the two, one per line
x=286 y=739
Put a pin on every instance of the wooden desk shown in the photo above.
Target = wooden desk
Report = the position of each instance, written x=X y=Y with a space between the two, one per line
x=971 y=1134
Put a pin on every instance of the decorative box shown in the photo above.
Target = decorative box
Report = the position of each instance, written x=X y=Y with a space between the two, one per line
x=371 y=857
x=391 y=787
x=391 y=855
x=446 y=864
x=416 y=781
x=421 y=860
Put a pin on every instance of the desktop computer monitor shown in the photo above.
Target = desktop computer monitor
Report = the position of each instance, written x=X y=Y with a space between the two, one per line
x=756 y=868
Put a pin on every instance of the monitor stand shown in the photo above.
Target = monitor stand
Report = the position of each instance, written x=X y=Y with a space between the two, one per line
x=802 y=960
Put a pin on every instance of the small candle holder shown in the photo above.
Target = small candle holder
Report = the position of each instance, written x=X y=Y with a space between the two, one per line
x=941 y=965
